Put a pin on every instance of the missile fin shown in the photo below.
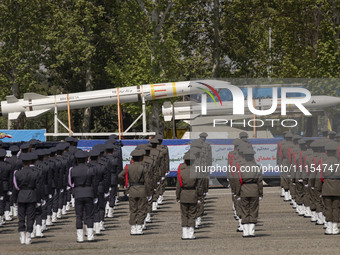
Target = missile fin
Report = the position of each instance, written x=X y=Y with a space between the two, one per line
x=31 y=114
x=11 y=99
x=13 y=115
x=33 y=96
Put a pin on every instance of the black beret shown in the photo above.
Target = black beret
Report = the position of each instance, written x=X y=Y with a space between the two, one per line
x=296 y=137
x=33 y=141
x=24 y=146
x=249 y=151
x=159 y=137
x=40 y=152
x=61 y=146
x=154 y=140
x=189 y=156
x=94 y=152
x=289 y=134
x=197 y=143
x=237 y=141
x=81 y=154
x=301 y=141
x=243 y=134
x=14 y=148
x=3 y=153
x=109 y=146
x=331 y=146
x=69 y=139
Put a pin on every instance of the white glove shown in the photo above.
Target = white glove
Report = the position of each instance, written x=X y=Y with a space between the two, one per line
x=68 y=188
x=163 y=178
x=15 y=204
x=62 y=190
x=38 y=205
x=9 y=193
x=43 y=202
x=158 y=183
x=178 y=201
x=95 y=201
x=149 y=198
x=1 y=198
x=300 y=180
x=49 y=196
x=107 y=194
x=118 y=186
x=260 y=198
x=198 y=201
x=238 y=199
x=306 y=185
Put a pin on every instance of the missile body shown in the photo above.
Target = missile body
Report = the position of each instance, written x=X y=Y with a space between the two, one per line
x=34 y=104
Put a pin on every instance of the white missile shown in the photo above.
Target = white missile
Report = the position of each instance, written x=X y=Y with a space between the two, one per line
x=34 y=104
x=191 y=110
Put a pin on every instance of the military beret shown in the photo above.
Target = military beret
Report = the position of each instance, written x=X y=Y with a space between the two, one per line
x=322 y=142
x=113 y=137
x=324 y=130
x=296 y=137
x=314 y=144
x=81 y=154
x=308 y=140
x=154 y=140
x=69 y=139
x=249 y=151
x=53 y=149
x=94 y=152
x=243 y=134
x=197 y=143
x=61 y=146
x=33 y=141
x=40 y=152
x=331 y=146
x=243 y=147
x=29 y=156
x=109 y=146
x=204 y=134
x=237 y=141
x=189 y=156
x=138 y=153
x=14 y=148
x=301 y=141
x=75 y=140
x=159 y=137
x=140 y=146
x=3 y=153
x=332 y=133
x=24 y=146
x=288 y=135
x=194 y=150
x=100 y=147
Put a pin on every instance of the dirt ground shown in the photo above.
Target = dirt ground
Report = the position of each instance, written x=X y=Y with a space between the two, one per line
x=279 y=231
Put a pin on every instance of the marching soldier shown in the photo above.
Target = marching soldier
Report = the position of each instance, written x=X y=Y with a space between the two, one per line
x=82 y=180
x=286 y=161
x=134 y=176
x=207 y=152
x=328 y=184
x=249 y=191
x=156 y=156
x=26 y=195
x=279 y=158
x=187 y=192
x=7 y=186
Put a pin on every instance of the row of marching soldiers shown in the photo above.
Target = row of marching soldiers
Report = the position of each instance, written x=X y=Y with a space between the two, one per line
x=144 y=180
x=39 y=186
x=192 y=185
x=312 y=184
x=246 y=183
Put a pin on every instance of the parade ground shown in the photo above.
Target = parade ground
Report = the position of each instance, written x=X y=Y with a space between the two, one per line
x=279 y=231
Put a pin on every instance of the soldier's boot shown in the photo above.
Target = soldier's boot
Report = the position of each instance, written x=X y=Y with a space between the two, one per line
x=148 y=218
x=7 y=216
x=28 y=239
x=308 y=212
x=110 y=212
x=293 y=203
x=116 y=201
x=245 y=228
x=15 y=211
x=319 y=219
x=329 y=229
x=251 y=230
x=90 y=235
x=234 y=210
x=59 y=214
x=286 y=198
x=34 y=231
x=289 y=195
x=96 y=228
x=2 y=222
x=73 y=201
x=22 y=237
x=160 y=200
x=38 y=231
x=144 y=225
x=301 y=210
x=63 y=210
x=43 y=226
x=139 y=230
x=11 y=211
x=185 y=234
x=314 y=217
x=101 y=225
x=68 y=206
x=107 y=207
x=335 y=228
x=282 y=192
x=191 y=233
x=133 y=230
x=49 y=220
x=54 y=217
x=154 y=206
x=80 y=235
x=240 y=226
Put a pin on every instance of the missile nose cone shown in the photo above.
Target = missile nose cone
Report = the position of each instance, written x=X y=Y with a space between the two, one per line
x=324 y=101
